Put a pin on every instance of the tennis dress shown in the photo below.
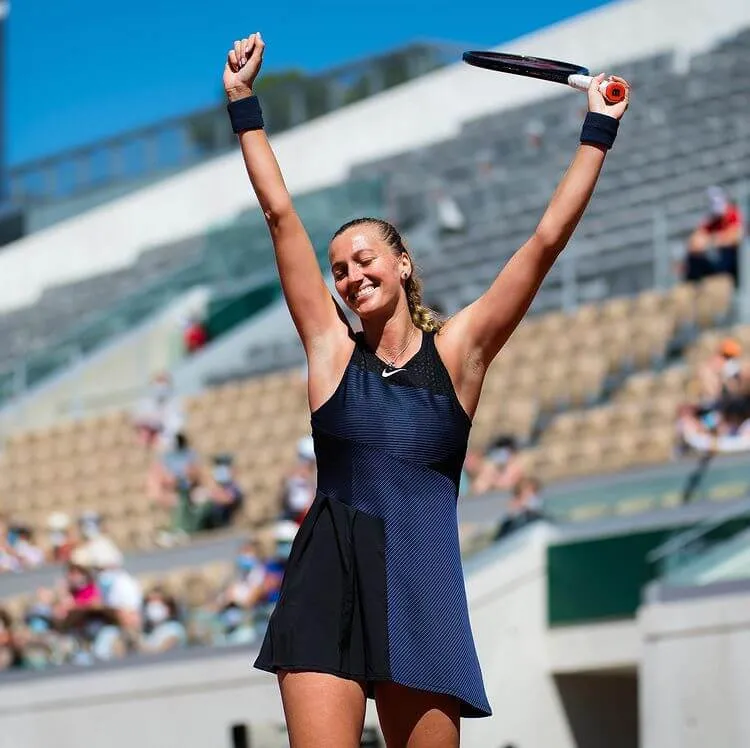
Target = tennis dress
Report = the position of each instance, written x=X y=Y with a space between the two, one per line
x=374 y=588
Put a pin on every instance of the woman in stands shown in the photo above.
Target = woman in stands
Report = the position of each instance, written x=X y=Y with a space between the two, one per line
x=373 y=600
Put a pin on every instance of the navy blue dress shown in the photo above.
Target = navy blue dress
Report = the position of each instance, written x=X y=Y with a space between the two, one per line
x=374 y=587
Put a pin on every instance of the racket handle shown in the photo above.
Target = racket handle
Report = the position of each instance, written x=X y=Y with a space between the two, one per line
x=612 y=91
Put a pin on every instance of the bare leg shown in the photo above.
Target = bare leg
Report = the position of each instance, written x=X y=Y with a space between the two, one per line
x=417 y=719
x=321 y=710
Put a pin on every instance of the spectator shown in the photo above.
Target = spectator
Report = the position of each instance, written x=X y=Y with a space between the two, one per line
x=8 y=559
x=122 y=597
x=162 y=627
x=222 y=496
x=714 y=245
x=159 y=417
x=172 y=480
x=9 y=656
x=237 y=603
x=284 y=533
x=40 y=642
x=721 y=410
x=78 y=611
x=299 y=485
x=27 y=552
x=60 y=538
x=524 y=507
x=96 y=548
x=450 y=218
x=501 y=468
x=195 y=335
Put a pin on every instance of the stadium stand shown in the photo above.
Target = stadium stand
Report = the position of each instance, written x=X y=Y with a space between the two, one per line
x=589 y=388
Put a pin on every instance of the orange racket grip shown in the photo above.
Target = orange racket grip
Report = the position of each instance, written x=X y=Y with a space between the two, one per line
x=613 y=91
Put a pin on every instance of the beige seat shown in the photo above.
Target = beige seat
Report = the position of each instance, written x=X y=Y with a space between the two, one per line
x=714 y=300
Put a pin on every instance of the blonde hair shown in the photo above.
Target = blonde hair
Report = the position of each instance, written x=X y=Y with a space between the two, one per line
x=422 y=316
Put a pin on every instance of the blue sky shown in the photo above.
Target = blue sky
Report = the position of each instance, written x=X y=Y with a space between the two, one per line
x=78 y=71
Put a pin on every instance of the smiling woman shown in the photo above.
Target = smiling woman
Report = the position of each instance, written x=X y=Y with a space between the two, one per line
x=373 y=600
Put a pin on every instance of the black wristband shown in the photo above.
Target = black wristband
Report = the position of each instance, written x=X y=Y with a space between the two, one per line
x=599 y=129
x=245 y=114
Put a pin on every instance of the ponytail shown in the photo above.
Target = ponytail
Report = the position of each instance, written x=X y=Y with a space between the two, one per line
x=423 y=317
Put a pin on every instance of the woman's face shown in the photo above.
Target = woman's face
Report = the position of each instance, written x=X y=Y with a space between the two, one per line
x=368 y=275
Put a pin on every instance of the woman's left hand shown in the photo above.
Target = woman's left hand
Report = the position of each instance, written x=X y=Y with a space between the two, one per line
x=597 y=102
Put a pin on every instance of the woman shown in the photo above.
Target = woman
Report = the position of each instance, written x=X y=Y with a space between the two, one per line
x=373 y=600
x=162 y=627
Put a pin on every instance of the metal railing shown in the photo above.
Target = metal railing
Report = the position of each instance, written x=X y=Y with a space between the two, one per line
x=688 y=544
x=289 y=99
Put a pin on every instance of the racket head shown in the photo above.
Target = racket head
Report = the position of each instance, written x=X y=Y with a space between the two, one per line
x=530 y=67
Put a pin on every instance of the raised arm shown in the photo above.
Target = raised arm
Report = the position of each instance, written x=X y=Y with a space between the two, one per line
x=310 y=303
x=479 y=331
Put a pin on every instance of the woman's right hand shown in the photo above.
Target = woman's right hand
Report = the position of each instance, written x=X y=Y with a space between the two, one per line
x=242 y=66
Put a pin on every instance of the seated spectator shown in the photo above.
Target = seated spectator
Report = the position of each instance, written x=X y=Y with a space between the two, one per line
x=718 y=418
x=194 y=335
x=162 y=627
x=61 y=540
x=713 y=246
x=501 y=467
x=284 y=533
x=9 y=655
x=172 y=480
x=79 y=612
x=248 y=586
x=237 y=603
x=40 y=642
x=96 y=548
x=122 y=599
x=524 y=507
x=8 y=559
x=221 y=496
x=159 y=417
x=299 y=485
x=29 y=555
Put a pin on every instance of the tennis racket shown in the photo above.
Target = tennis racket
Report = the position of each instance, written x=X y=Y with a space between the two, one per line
x=575 y=76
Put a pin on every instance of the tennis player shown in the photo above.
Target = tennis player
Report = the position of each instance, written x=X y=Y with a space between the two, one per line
x=373 y=600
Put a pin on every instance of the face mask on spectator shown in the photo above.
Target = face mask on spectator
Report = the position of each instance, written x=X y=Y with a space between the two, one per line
x=90 y=529
x=246 y=562
x=156 y=611
x=161 y=390
x=38 y=624
x=231 y=618
x=57 y=538
x=223 y=474
x=500 y=456
x=731 y=368
x=106 y=579
x=283 y=549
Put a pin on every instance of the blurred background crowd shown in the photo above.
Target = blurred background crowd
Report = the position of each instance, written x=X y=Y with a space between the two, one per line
x=151 y=507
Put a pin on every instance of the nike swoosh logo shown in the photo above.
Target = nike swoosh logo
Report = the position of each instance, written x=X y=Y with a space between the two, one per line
x=391 y=373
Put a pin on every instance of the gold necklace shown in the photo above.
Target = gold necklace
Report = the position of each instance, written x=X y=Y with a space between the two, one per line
x=392 y=363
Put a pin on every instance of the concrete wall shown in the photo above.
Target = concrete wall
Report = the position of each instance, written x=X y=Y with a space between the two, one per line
x=112 y=377
x=179 y=705
x=695 y=674
x=322 y=152
x=192 y=704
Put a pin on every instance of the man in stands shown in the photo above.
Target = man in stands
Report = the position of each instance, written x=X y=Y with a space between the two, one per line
x=501 y=468
x=159 y=417
x=222 y=495
x=525 y=507
x=714 y=245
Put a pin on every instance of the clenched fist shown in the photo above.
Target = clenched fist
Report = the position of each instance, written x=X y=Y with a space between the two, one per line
x=597 y=102
x=242 y=66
